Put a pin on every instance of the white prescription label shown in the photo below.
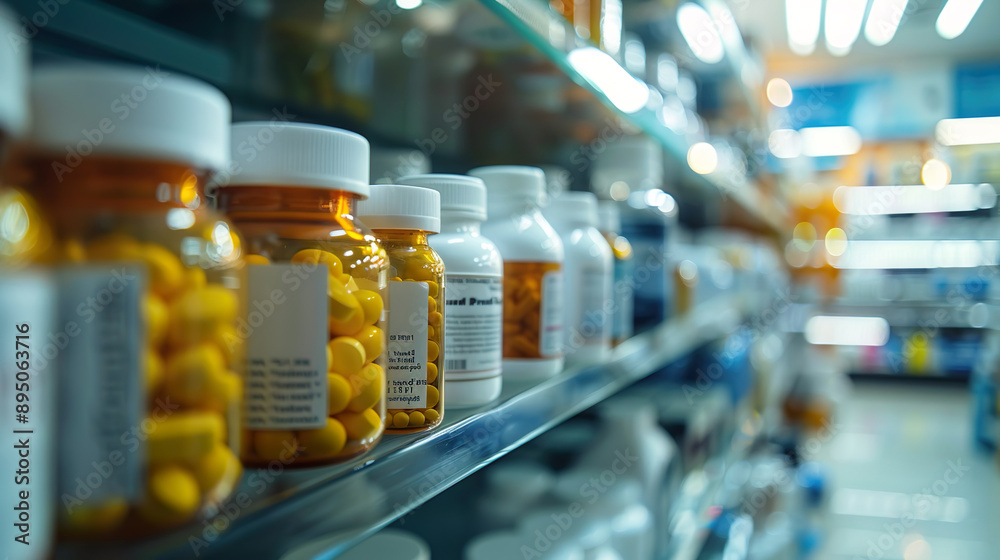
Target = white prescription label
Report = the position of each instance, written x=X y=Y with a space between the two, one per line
x=591 y=322
x=550 y=329
x=105 y=416
x=286 y=320
x=406 y=362
x=473 y=327
x=27 y=410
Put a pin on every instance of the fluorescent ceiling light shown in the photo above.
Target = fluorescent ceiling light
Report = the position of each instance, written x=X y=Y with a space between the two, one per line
x=843 y=24
x=830 y=141
x=597 y=66
x=802 y=21
x=785 y=143
x=883 y=21
x=918 y=254
x=964 y=132
x=847 y=331
x=913 y=199
x=955 y=17
x=700 y=33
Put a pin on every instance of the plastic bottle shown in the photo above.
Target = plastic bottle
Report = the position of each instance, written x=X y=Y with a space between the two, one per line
x=507 y=545
x=512 y=489
x=473 y=349
x=402 y=216
x=151 y=361
x=533 y=266
x=620 y=504
x=27 y=306
x=609 y=223
x=587 y=277
x=317 y=280
x=573 y=525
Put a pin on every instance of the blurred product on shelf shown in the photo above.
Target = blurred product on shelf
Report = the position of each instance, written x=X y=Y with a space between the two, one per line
x=388 y=165
x=402 y=216
x=473 y=319
x=622 y=291
x=504 y=545
x=388 y=543
x=631 y=171
x=533 y=258
x=27 y=306
x=616 y=502
x=587 y=278
x=314 y=322
x=570 y=521
x=158 y=345
x=511 y=489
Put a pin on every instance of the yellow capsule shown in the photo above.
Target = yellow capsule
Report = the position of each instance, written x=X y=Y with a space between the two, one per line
x=195 y=278
x=367 y=386
x=154 y=372
x=349 y=355
x=431 y=415
x=256 y=259
x=431 y=304
x=432 y=372
x=114 y=247
x=432 y=289
x=373 y=339
x=192 y=374
x=417 y=418
x=349 y=283
x=214 y=467
x=346 y=315
x=184 y=436
x=433 y=396
x=339 y=393
x=273 y=445
x=157 y=319
x=432 y=333
x=371 y=304
x=360 y=426
x=166 y=273
x=432 y=351
x=323 y=442
x=227 y=338
x=171 y=496
x=227 y=394
x=395 y=279
x=435 y=319
x=400 y=420
x=196 y=314
x=96 y=519
x=317 y=256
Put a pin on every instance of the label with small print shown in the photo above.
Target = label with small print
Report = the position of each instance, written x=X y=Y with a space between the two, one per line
x=406 y=356
x=590 y=325
x=286 y=383
x=27 y=410
x=105 y=415
x=550 y=329
x=473 y=327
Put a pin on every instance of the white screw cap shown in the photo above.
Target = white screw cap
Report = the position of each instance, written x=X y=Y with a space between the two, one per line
x=130 y=111
x=572 y=209
x=512 y=183
x=270 y=153
x=461 y=196
x=402 y=207
x=14 y=72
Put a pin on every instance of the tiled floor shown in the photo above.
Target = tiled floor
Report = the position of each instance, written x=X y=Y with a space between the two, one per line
x=904 y=480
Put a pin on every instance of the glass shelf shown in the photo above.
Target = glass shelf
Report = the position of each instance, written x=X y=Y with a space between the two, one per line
x=274 y=511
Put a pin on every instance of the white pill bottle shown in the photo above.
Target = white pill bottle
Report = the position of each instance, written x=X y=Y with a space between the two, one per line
x=473 y=319
x=533 y=268
x=588 y=309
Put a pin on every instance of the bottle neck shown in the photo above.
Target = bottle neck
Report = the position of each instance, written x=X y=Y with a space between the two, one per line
x=407 y=237
x=465 y=226
x=269 y=203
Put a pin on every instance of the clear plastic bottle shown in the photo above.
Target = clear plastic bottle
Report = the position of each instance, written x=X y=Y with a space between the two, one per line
x=402 y=216
x=474 y=284
x=27 y=306
x=587 y=278
x=317 y=280
x=610 y=223
x=533 y=259
x=150 y=363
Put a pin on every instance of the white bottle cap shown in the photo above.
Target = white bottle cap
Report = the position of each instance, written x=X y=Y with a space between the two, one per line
x=608 y=216
x=388 y=165
x=297 y=155
x=572 y=209
x=402 y=207
x=495 y=545
x=14 y=83
x=511 y=183
x=637 y=161
x=461 y=195
x=129 y=111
